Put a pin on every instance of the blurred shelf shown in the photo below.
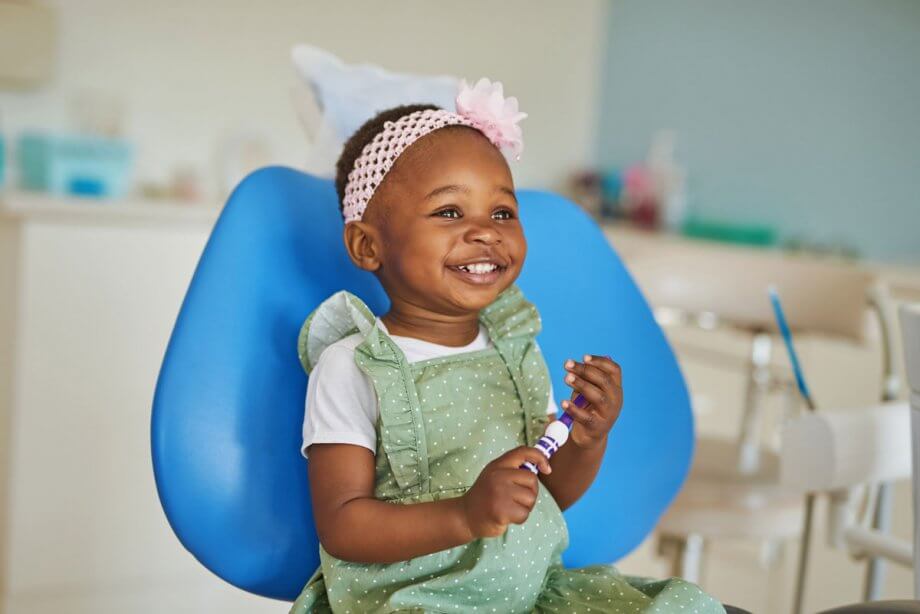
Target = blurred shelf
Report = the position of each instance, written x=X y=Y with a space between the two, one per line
x=634 y=244
x=28 y=206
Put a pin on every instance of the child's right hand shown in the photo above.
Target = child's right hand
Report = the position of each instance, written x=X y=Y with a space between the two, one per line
x=503 y=492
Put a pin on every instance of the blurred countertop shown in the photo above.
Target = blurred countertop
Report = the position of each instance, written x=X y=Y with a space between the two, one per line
x=35 y=206
x=632 y=243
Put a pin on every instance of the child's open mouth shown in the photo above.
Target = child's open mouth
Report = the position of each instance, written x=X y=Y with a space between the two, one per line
x=479 y=272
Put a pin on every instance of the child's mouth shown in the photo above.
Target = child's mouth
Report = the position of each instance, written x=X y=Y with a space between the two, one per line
x=480 y=273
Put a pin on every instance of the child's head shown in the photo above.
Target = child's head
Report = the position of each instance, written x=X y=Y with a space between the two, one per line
x=434 y=216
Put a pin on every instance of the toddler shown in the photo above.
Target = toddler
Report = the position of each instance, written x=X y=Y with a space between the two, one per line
x=417 y=422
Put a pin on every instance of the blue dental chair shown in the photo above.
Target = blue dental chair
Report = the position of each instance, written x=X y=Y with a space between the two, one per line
x=229 y=402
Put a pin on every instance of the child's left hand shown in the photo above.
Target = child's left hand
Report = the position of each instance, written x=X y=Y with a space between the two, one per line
x=599 y=381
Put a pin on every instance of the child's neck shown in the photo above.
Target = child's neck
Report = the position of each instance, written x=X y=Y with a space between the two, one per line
x=454 y=331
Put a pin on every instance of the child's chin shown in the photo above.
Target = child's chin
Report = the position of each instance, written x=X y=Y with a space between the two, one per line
x=476 y=296
x=480 y=297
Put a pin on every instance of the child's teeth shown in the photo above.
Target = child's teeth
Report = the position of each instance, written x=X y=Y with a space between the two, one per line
x=479 y=268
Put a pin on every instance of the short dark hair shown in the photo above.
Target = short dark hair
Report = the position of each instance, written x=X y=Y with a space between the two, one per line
x=364 y=135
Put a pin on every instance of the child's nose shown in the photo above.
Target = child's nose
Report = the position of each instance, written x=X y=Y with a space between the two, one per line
x=483 y=232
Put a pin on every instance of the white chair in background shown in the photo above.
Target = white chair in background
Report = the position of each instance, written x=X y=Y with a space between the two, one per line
x=734 y=488
x=910 y=329
x=837 y=454
x=834 y=453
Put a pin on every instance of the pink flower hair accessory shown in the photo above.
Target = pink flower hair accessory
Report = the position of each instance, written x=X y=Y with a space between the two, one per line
x=482 y=107
x=492 y=114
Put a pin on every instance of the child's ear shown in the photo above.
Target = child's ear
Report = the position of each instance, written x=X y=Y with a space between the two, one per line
x=362 y=242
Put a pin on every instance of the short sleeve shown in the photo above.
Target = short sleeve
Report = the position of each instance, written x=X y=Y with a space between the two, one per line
x=341 y=405
x=552 y=409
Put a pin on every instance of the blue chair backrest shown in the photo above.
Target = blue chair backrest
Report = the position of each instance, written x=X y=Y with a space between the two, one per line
x=229 y=403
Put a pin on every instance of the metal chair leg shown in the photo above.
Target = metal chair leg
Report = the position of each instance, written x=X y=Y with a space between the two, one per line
x=803 y=555
x=685 y=554
x=691 y=559
x=881 y=520
x=670 y=547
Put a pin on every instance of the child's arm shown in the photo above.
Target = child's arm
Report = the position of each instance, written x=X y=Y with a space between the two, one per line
x=354 y=526
x=575 y=465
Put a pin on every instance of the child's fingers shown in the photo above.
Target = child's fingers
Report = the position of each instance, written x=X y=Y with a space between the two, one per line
x=602 y=371
x=513 y=459
x=511 y=479
x=520 y=514
x=594 y=374
x=608 y=365
x=584 y=416
x=523 y=495
x=592 y=393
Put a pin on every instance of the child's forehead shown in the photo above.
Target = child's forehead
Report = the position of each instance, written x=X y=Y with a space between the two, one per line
x=460 y=157
x=460 y=153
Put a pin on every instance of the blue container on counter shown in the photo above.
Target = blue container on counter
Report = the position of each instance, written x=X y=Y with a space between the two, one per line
x=74 y=165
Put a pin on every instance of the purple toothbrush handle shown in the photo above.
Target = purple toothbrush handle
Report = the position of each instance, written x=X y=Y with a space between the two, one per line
x=566 y=418
x=547 y=445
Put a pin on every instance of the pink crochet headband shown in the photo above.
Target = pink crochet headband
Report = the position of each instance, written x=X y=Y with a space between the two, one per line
x=482 y=107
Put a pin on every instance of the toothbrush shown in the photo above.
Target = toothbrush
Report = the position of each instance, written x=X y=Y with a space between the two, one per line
x=556 y=434
x=790 y=348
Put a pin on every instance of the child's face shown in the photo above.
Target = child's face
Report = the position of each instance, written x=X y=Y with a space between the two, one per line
x=447 y=228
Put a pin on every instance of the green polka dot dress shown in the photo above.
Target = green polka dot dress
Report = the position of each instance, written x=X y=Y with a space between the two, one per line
x=441 y=421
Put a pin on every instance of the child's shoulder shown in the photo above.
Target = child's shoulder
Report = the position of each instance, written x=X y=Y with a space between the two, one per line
x=341 y=351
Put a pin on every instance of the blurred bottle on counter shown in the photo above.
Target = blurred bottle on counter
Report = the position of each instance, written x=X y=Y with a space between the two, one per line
x=640 y=200
x=2 y=155
x=2 y=160
x=584 y=188
x=668 y=179
x=611 y=193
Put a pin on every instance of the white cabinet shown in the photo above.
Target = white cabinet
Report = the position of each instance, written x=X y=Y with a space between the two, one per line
x=89 y=296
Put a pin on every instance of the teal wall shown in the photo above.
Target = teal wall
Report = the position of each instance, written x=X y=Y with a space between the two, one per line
x=801 y=115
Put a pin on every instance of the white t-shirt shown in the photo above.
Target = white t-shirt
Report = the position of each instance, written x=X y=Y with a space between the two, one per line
x=341 y=404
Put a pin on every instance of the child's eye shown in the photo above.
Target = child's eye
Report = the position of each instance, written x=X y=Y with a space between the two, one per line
x=451 y=213
x=503 y=214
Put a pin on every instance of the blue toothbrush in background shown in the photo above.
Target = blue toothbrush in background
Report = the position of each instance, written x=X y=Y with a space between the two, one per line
x=790 y=348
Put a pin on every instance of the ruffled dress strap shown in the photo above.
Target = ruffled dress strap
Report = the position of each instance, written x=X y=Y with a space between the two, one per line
x=339 y=316
x=401 y=431
x=513 y=323
x=402 y=434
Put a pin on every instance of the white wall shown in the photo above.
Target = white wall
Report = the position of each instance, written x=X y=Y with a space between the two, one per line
x=192 y=71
